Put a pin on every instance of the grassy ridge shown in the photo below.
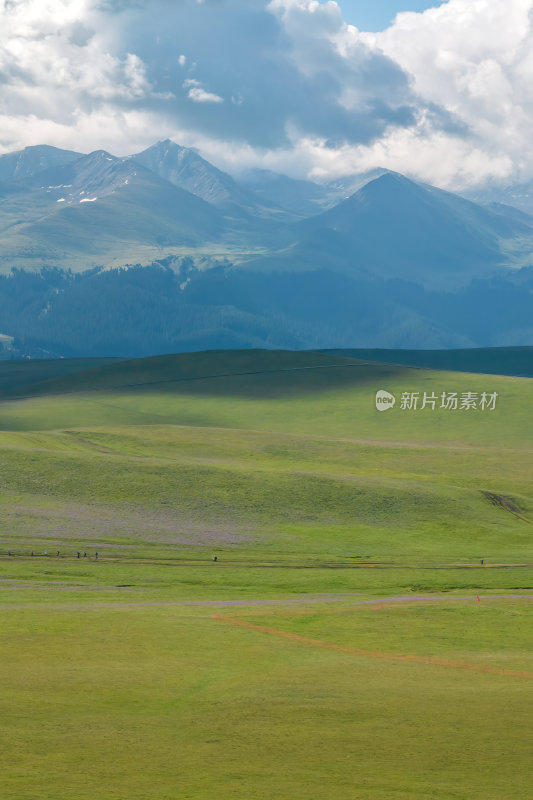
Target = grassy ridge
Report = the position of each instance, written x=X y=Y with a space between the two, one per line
x=318 y=498
x=20 y=376
x=516 y=361
x=295 y=392
x=287 y=454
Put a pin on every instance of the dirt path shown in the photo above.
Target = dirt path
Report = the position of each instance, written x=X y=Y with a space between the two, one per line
x=290 y=601
x=377 y=654
x=440 y=662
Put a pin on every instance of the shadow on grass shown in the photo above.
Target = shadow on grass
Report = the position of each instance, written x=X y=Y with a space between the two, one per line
x=240 y=373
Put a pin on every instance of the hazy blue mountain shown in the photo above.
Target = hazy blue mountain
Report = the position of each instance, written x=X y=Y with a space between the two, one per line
x=173 y=308
x=99 y=209
x=183 y=167
x=393 y=227
x=519 y=195
x=167 y=201
x=32 y=160
x=395 y=264
x=304 y=198
x=344 y=187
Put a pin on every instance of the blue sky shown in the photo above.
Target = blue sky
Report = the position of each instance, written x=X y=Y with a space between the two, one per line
x=375 y=15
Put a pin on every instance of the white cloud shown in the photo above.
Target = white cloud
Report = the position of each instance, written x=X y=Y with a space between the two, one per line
x=199 y=95
x=54 y=63
x=63 y=61
x=444 y=95
x=474 y=59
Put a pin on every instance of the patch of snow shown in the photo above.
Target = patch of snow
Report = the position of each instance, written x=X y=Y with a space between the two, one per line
x=88 y=200
x=61 y=200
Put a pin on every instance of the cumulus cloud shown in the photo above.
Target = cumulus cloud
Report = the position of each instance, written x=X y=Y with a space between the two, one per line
x=475 y=60
x=278 y=64
x=199 y=95
x=443 y=95
x=57 y=70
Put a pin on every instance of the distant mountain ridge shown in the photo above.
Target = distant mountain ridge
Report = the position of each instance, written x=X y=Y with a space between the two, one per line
x=264 y=261
x=519 y=195
x=421 y=223
x=32 y=160
x=96 y=209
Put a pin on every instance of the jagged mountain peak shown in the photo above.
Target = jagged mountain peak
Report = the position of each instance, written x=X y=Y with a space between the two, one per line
x=96 y=174
x=185 y=168
x=99 y=155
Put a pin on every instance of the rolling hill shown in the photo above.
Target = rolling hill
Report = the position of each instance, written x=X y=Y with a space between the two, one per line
x=517 y=361
x=228 y=384
x=366 y=622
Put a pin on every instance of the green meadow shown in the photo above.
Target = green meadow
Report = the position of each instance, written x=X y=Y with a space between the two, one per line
x=365 y=630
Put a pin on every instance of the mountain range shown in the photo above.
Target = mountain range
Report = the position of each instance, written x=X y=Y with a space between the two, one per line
x=169 y=252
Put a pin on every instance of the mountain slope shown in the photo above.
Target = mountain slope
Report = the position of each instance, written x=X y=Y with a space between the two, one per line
x=99 y=209
x=304 y=197
x=301 y=197
x=397 y=264
x=393 y=227
x=515 y=361
x=183 y=167
x=177 y=308
x=519 y=195
x=32 y=160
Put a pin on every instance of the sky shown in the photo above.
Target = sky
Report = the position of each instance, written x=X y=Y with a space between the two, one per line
x=313 y=88
x=376 y=15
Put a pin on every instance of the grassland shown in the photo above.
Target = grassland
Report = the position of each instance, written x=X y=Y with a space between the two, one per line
x=516 y=361
x=284 y=669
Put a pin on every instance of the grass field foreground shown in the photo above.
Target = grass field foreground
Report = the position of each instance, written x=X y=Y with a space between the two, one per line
x=364 y=633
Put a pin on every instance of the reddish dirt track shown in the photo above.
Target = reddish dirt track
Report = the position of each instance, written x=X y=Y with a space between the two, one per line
x=376 y=654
